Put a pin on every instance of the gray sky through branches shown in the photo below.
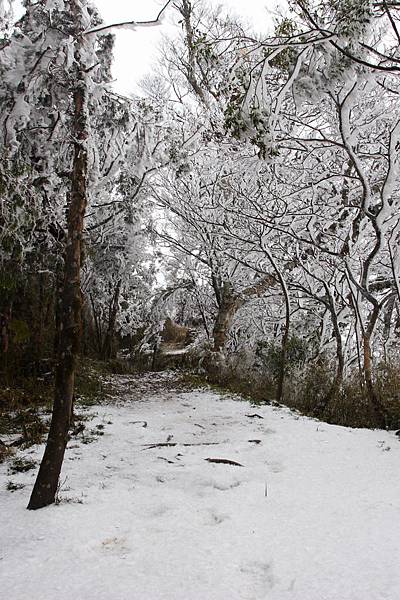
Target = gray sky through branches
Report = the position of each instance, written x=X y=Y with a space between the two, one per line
x=136 y=51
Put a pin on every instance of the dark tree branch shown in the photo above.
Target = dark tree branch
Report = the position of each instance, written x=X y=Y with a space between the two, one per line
x=151 y=23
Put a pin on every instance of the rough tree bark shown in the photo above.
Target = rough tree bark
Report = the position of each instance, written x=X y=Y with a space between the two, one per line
x=228 y=306
x=229 y=303
x=45 y=488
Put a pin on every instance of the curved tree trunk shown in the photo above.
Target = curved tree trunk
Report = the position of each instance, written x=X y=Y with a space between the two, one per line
x=45 y=488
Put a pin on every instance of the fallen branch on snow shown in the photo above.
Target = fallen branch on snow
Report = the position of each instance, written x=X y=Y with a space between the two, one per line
x=171 y=444
x=224 y=461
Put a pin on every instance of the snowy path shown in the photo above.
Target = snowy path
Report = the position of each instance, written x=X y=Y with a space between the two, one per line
x=165 y=524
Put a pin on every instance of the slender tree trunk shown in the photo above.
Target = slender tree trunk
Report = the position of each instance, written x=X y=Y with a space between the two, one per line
x=339 y=349
x=379 y=409
x=45 y=488
x=108 y=347
x=5 y=319
x=282 y=366
x=38 y=325
x=154 y=356
x=338 y=381
x=57 y=312
x=285 y=337
x=387 y=320
x=97 y=326
x=334 y=389
x=199 y=306
x=203 y=316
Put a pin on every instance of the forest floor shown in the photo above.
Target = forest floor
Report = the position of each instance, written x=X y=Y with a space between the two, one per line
x=313 y=513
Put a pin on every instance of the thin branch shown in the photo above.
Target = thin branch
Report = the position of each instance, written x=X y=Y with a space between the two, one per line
x=152 y=23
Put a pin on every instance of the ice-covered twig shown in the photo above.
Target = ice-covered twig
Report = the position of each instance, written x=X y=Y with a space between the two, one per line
x=130 y=24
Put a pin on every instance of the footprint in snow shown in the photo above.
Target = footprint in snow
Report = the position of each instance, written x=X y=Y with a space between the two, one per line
x=275 y=466
x=116 y=546
x=268 y=430
x=224 y=487
x=261 y=579
x=207 y=487
x=216 y=518
x=159 y=511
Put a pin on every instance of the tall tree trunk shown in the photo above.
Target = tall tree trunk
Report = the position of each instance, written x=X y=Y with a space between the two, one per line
x=97 y=325
x=108 y=346
x=37 y=320
x=379 y=409
x=57 y=312
x=338 y=380
x=268 y=281
x=387 y=321
x=282 y=366
x=5 y=319
x=285 y=337
x=45 y=488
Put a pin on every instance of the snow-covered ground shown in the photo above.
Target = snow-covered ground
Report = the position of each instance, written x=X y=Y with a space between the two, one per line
x=313 y=513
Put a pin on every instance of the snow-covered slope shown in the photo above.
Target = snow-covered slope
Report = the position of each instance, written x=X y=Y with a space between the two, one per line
x=313 y=513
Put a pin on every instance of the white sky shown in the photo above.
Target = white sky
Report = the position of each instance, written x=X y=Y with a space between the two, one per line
x=136 y=51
